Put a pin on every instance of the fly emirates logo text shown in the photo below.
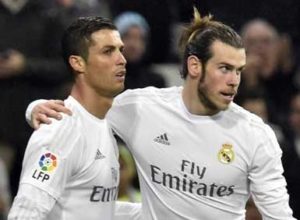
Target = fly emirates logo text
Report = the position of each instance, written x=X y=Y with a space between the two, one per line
x=187 y=184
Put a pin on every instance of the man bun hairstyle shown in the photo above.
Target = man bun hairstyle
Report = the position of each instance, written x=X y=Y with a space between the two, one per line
x=200 y=34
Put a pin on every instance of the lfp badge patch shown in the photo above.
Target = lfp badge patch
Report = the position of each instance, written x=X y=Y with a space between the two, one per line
x=47 y=164
x=226 y=154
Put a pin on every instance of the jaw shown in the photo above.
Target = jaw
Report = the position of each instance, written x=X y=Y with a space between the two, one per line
x=224 y=101
x=217 y=103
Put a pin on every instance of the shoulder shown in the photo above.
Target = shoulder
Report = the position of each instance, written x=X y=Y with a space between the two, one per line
x=239 y=113
x=148 y=95
x=246 y=120
x=59 y=137
x=256 y=129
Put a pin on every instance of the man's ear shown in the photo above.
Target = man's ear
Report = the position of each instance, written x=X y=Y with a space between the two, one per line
x=77 y=63
x=194 y=66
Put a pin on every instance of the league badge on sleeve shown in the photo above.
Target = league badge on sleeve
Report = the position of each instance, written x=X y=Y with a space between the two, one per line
x=46 y=165
x=48 y=162
x=226 y=154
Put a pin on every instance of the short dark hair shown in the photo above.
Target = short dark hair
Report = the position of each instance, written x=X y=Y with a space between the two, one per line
x=201 y=34
x=77 y=37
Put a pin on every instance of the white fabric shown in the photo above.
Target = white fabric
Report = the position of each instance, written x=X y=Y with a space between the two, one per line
x=34 y=203
x=176 y=153
x=74 y=160
x=127 y=211
x=199 y=167
x=30 y=108
x=31 y=203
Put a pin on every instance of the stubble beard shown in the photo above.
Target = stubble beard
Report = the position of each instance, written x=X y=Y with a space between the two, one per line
x=203 y=94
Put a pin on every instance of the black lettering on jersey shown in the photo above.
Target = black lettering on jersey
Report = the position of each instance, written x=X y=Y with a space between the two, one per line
x=222 y=191
x=185 y=184
x=231 y=191
x=40 y=175
x=202 y=190
x=102 y=194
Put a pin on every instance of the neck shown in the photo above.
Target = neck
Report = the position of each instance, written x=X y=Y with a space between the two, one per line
x=192 y=101
x=94 y=103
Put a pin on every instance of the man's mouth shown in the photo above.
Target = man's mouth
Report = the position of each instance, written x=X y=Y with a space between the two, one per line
x=121 y=75
x=229 y=96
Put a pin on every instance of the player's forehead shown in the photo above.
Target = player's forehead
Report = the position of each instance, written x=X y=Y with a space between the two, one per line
x=106 y=38
x=227 y=54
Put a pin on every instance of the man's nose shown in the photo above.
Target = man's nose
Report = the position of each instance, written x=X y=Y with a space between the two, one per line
x=122 y=59
x=234 y=79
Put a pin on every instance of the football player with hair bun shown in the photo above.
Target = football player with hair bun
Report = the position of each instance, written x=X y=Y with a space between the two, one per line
x=198 y=154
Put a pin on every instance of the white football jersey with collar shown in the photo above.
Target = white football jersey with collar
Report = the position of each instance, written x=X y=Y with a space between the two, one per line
x=199 y=167
x=75 y=160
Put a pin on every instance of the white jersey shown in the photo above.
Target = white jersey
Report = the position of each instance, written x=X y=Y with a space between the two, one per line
x=75 y=160
x=199 y=167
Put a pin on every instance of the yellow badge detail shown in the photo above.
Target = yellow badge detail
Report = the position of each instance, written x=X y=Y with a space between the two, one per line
x=226 y=154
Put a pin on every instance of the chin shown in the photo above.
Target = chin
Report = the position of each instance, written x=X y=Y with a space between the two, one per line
x=221 y=106
x=224 y=107
x=117 y=91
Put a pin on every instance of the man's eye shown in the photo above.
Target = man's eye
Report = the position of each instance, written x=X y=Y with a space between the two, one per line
x=108 y=51
x=224 y=69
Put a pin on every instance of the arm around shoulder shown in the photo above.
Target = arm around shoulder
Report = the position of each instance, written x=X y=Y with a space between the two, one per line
x=28 y=113
x=40 y=112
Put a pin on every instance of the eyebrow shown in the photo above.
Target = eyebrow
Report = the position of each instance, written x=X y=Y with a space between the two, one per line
x=242 y=67
x=232 y=66
x=112 y=47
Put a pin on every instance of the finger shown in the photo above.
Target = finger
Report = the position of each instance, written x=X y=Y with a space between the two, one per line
x=35 y=124
x=60 y=108
x=40 y=119
x=59 y=105
x=43 y=119
x=57 y=101
x=50 y=112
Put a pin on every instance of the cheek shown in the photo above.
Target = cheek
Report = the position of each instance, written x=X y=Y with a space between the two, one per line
x=100 y=67
x=206 y=88
x=212 y=83
x=100 y=74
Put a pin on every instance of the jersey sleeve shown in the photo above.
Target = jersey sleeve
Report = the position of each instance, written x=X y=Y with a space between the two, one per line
x=123 y=113
x=30 y=108
x=267 y=184
x=127 y=211
x=31 y=203
x=51 y=155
